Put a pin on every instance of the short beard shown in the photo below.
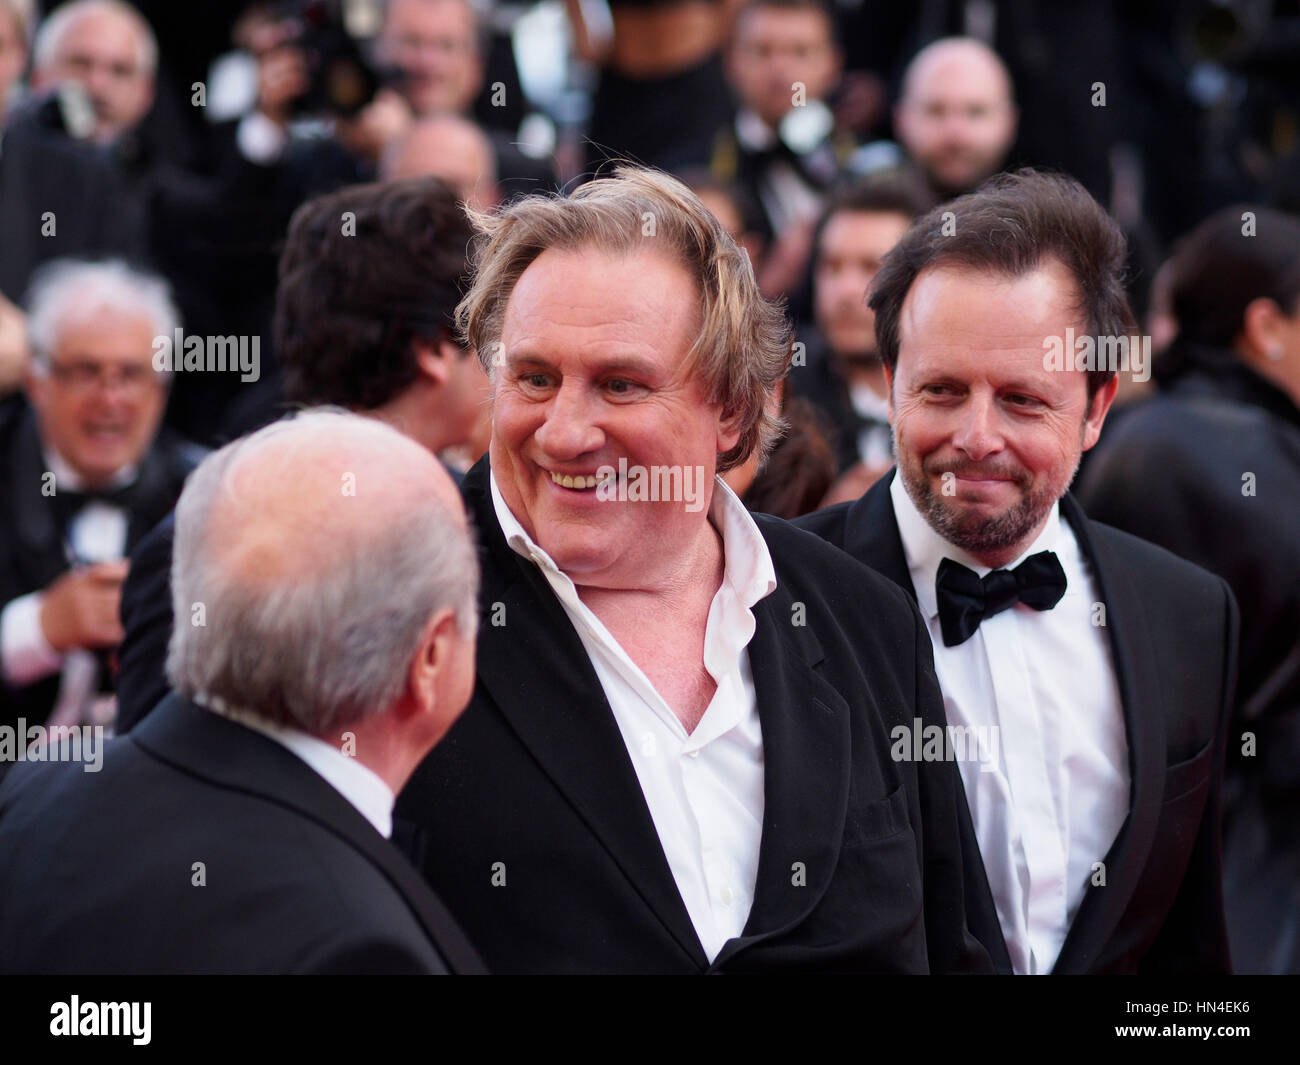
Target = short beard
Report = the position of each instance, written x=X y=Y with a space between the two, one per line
x=978 y=536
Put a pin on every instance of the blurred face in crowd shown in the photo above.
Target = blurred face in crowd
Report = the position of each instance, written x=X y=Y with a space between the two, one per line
x=970 y=398
x=956 y=118
x=100 y=402
x=104 y=53
x=595 y=371
x=13 y=55
x=852 y=245
x=435 y=45
x=772 y=50
x=451 y=148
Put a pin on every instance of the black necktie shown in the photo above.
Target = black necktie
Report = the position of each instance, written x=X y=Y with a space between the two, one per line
x=966 y=599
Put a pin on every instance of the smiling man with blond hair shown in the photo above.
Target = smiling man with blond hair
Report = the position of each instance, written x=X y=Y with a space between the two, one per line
x=676 y=758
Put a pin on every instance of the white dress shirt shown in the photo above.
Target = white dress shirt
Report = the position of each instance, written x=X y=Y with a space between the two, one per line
x=704 y=790
x=1050 y=800
x=97 y=534
x=361 y=786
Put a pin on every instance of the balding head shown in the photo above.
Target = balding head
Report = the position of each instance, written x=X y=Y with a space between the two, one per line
x=451 y=148
x=107 y=48
x=312 y=560
x=957 y=118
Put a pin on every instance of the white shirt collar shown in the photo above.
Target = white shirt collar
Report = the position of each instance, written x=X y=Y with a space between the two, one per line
x=359 y=785
x=747 y=564
x=753 y=133
x=65 y=476
x=925 y=548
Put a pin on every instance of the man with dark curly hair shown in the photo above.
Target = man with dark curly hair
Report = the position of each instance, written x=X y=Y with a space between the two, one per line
x=369 y=282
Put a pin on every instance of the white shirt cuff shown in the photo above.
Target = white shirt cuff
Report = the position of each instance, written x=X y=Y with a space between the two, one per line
x=260 y=140
x=25 y=653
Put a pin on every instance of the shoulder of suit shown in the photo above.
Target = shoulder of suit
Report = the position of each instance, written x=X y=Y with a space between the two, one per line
x=807 y=560
x=1151 y=562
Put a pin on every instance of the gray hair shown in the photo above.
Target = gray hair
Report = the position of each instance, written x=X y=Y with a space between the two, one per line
x=70 y=290
x=52 y=31
x=324 y=651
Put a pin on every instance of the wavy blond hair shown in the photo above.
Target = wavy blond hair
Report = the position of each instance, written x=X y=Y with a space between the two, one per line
x=743 y=349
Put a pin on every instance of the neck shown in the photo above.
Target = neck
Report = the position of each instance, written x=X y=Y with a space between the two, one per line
x=413 y=415
x=381 y=749
x=1284 y=372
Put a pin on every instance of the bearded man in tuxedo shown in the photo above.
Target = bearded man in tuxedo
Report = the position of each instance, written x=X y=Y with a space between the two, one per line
x=1095 y=670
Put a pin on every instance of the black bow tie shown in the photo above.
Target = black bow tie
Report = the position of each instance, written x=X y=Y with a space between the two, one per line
x=966 y=599
x=68 y=503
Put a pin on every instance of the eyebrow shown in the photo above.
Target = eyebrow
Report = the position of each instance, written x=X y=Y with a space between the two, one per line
x=628 y=364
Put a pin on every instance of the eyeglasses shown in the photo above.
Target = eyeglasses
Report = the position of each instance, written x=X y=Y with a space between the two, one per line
x=83 y=378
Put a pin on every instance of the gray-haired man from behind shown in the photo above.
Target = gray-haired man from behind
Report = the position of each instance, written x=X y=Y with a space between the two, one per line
x=325 y=580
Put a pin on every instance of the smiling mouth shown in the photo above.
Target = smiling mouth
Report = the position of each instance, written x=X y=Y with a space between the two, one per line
x=582 y=482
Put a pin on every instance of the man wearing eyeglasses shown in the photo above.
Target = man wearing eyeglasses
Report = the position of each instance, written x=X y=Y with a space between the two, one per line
x=88 y=474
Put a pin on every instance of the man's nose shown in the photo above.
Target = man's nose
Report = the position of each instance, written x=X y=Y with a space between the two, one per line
x=570 y=429
x=977 y=434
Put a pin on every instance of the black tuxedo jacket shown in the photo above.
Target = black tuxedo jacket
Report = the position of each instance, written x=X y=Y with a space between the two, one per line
x=31 y=541
x=97 y=869
x=1173 y=638
x=529 y=821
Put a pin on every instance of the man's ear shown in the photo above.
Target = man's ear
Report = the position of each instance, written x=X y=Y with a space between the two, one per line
x=889 y=388
x=1101 y=402
x=729 y=431
x=430 y=663
x=1259 y=326
x=435 y=358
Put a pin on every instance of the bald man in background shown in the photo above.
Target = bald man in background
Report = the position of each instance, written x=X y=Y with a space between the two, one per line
x=957 y=117
x=451 y=148
x=327 y=577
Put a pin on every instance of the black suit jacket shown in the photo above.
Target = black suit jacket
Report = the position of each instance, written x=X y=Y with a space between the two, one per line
x=31 y=543
x=97 y=869
x=859 y=867
x=1173 y=638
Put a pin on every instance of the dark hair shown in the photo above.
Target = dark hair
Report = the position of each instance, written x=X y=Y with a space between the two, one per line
x=366 y=270
x=800 y=469
x=1011 y=225
x=819 y=6
x=1217 y=271
x=892 y=193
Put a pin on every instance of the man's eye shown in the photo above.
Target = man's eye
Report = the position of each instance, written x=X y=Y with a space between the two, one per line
x=1018 y=400
x=534 y=380
x=619 y=387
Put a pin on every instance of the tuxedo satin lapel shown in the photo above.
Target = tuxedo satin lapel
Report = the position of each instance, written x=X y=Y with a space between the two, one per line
x=806 y=752
x=208 y=746
x=1129 y=629
x=871 y=534
x=539 y=676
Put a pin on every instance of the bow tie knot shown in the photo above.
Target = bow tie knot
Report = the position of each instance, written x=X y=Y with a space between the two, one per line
x=966 y=599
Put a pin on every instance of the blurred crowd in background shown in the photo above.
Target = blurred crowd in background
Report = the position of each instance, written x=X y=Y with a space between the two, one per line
x=179 y=140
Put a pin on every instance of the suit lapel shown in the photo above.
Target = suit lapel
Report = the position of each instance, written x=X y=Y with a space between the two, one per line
x=1141 y=696
x=805 y=725
x=571 y=730
x=208 y=746
x=871 y=535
